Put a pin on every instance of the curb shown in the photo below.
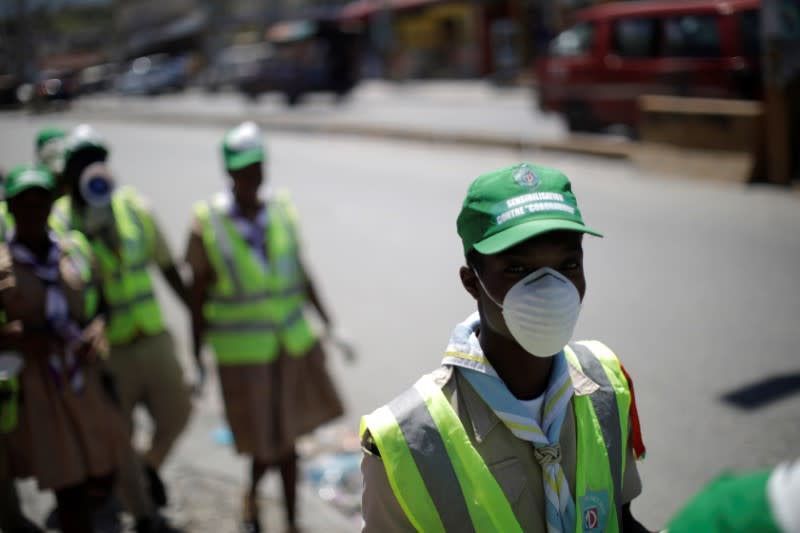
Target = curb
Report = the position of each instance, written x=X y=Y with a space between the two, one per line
x=592 y=145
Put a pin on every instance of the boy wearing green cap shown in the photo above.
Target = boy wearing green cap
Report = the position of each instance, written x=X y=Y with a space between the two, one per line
x=248 y=298
x=519 y=429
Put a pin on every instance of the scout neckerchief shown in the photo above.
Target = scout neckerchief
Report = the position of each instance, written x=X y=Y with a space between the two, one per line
x=56 y=308
x=464 y=351
x=252 y=231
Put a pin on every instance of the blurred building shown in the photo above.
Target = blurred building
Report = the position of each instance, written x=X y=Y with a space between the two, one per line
x=150 y=26
x=459 y=38
x=37 y=35
x=404 y=38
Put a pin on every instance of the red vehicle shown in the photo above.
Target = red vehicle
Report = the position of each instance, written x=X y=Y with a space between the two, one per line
x=595 y=70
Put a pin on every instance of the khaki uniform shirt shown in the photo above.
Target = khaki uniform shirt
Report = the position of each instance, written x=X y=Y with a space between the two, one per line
x=509 y=458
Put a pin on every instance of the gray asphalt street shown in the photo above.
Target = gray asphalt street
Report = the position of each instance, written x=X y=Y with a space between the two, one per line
x=695 y=284
x=433 y=106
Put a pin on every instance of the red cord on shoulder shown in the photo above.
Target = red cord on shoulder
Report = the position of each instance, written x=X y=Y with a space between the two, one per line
x=636 y=429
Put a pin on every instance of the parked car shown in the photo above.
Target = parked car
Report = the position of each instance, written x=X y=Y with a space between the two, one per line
x=152 y=75
x=234 y=64
x=96 y=78
x=55 y=85
x=595 y=70
x=9 y=91
x=309 y=56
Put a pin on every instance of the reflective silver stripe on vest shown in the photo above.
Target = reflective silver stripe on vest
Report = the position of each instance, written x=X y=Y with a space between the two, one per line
x=263 y=295
x=133 y=213
x=243 y=326
x=604 y=401
x=127 y=304
x=135 y=268
x=432 y=460
x=62 y=216
x=226 y=249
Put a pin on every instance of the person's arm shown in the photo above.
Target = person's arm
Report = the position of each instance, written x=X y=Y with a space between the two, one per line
x=285 y=205
x=313 y=297
x=11 y=336
x=197 y=293
x=629 y=523
x=197 y=298
x=631 y=482
x=380 y=509
x=175 y=281
x=164 y=259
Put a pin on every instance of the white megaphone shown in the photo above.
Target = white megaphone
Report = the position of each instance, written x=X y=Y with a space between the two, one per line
x=96 y=184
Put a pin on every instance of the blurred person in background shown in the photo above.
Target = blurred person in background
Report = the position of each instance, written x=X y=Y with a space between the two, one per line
x=59 y=423
x=249 y=291
x=759 y=501
x=519 y=429
x=143 y=361
x=49 y=153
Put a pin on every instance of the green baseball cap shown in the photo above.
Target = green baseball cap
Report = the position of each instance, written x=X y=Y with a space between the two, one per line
x=24 y=177
x=50 y=148
x=242 y=146
x=512 y=204
x=48 y=134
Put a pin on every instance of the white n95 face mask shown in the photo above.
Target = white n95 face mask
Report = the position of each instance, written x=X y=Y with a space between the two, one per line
x=541 y=311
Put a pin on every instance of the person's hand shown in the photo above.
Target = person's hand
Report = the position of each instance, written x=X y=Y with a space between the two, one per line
x=200 y=381
x=342 y=343
x=11 y=333
x=93 y=343
x=86 y=352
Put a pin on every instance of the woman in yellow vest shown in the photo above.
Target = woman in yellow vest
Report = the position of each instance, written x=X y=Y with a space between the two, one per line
x=59 y=423
x=519 y=429
x=248 y=299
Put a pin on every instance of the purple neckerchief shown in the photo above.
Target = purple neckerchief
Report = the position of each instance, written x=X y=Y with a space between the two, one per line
x=56 y=307
x=252 y=231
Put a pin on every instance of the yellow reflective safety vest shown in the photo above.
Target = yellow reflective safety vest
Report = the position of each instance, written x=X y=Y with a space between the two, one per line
x=127 y=282
x=78 y=250
x=6 y=221
x=254 y=309
x=432 y=465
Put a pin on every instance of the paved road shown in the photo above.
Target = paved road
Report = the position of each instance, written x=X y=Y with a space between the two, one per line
x=432 y=107
x=695 y=284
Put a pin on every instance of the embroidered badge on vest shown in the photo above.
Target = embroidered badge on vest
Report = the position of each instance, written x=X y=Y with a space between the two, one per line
x=595 y=504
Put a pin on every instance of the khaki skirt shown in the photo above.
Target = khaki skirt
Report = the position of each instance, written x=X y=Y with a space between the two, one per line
x=270 y=405
x=64 y=437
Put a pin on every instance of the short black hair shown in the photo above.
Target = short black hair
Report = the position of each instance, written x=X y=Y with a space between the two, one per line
x=474 y=260
x=81 y=159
